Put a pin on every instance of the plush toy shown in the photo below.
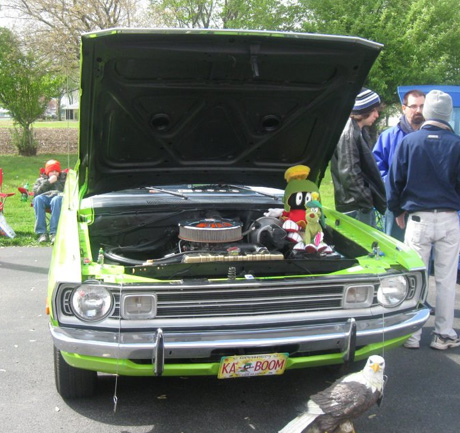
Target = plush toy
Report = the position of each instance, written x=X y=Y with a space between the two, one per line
x=302 y=214
x=313 y=235
x=299 y=191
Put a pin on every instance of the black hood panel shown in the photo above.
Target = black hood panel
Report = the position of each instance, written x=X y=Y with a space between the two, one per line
x=181 y=106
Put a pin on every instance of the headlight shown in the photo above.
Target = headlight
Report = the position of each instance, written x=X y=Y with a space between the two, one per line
x=91 y=303
x=392 y=291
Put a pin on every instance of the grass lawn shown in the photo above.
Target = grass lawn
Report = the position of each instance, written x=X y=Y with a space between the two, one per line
x=327 y=190
x=19 y=170
x=61 y=124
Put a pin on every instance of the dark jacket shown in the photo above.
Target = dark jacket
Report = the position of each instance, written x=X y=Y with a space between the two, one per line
x=356 y=177
x=43 y=185
x=425 y=171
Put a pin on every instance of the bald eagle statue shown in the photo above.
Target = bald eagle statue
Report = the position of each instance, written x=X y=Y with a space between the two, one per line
x=331 y=410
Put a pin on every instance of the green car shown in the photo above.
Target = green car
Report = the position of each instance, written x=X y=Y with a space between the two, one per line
x=172 y=256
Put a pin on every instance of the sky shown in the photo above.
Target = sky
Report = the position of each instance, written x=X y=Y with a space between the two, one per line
x=7 y=19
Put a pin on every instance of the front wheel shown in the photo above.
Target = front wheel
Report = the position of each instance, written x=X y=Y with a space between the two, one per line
x=73 y=382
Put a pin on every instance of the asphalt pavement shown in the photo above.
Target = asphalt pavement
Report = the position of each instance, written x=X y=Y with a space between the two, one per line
x=422 y=394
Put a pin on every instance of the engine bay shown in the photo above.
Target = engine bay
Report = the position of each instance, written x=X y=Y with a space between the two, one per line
x=192 y=242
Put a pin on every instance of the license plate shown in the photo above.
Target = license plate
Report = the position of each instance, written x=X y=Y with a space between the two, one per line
x=252 y=365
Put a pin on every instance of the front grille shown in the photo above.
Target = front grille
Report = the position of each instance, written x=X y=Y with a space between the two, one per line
x=246 y=300
x=232 y=299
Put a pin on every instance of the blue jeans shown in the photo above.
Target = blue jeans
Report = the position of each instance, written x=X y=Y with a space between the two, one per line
x=366 y=217
x=41 y=203
x=391 y=228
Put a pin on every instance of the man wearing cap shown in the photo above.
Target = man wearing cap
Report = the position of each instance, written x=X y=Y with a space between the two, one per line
x=410 y=121
x=48 y=195
x=358 y=186
x=424 y=183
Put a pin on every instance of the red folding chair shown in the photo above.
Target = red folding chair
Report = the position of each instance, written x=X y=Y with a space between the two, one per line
x=26 y=193
x=3 y=196
x=5 y=229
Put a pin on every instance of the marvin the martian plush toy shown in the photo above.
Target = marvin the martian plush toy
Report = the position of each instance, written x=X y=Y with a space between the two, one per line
x=302 y=215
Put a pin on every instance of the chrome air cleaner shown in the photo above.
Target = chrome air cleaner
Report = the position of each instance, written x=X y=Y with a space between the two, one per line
x=210 y=230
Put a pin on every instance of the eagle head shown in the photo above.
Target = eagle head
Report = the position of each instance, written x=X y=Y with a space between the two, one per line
x=374 y=370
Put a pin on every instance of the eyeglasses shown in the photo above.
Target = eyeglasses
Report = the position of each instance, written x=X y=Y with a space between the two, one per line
x=415 y=107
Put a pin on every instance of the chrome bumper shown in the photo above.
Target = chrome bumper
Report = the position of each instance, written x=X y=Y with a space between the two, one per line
x=159 y=345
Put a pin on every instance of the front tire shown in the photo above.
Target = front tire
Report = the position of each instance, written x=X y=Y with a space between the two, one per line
x=73 y=382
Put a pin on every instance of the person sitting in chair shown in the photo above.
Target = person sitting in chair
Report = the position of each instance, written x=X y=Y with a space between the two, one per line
x=48 y=195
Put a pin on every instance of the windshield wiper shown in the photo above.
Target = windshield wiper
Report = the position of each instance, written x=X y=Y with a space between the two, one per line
x=177 y=194
x=246 y=188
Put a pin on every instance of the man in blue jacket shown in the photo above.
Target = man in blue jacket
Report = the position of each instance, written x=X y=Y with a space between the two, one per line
x=424 y=183
x=383 y=151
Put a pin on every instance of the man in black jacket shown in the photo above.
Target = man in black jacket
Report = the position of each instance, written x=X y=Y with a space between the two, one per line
x=358 y=186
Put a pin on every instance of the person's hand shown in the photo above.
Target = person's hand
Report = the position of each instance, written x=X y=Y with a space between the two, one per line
x=401 y=221
x=52 y=178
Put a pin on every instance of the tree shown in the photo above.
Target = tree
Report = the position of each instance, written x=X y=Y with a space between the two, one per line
x=421 y=37
x=25 y=89
x=54 y=27
x=248 y=14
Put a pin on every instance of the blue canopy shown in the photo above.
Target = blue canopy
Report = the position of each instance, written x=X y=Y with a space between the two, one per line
x=453 y=91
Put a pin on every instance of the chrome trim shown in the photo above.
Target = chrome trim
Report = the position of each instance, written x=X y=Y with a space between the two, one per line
x=201 y=343
x=159 y=359
x=249 y=302
x=349 y=354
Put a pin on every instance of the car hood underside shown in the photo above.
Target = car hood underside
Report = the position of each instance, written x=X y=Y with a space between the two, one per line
x=191 y=106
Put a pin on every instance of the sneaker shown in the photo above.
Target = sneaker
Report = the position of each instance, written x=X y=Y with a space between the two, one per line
x=42 y=238
x=52 y=238
x=412 y=343
x=442 y=343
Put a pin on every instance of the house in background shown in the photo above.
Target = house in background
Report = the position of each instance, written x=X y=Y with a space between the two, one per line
x=51 y=110
x=70 y=106
x=4 y=114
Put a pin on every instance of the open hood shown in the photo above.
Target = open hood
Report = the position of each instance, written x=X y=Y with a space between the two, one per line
x=161 y=107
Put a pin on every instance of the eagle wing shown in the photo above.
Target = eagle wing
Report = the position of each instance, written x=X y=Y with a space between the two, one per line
x=343 y=401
